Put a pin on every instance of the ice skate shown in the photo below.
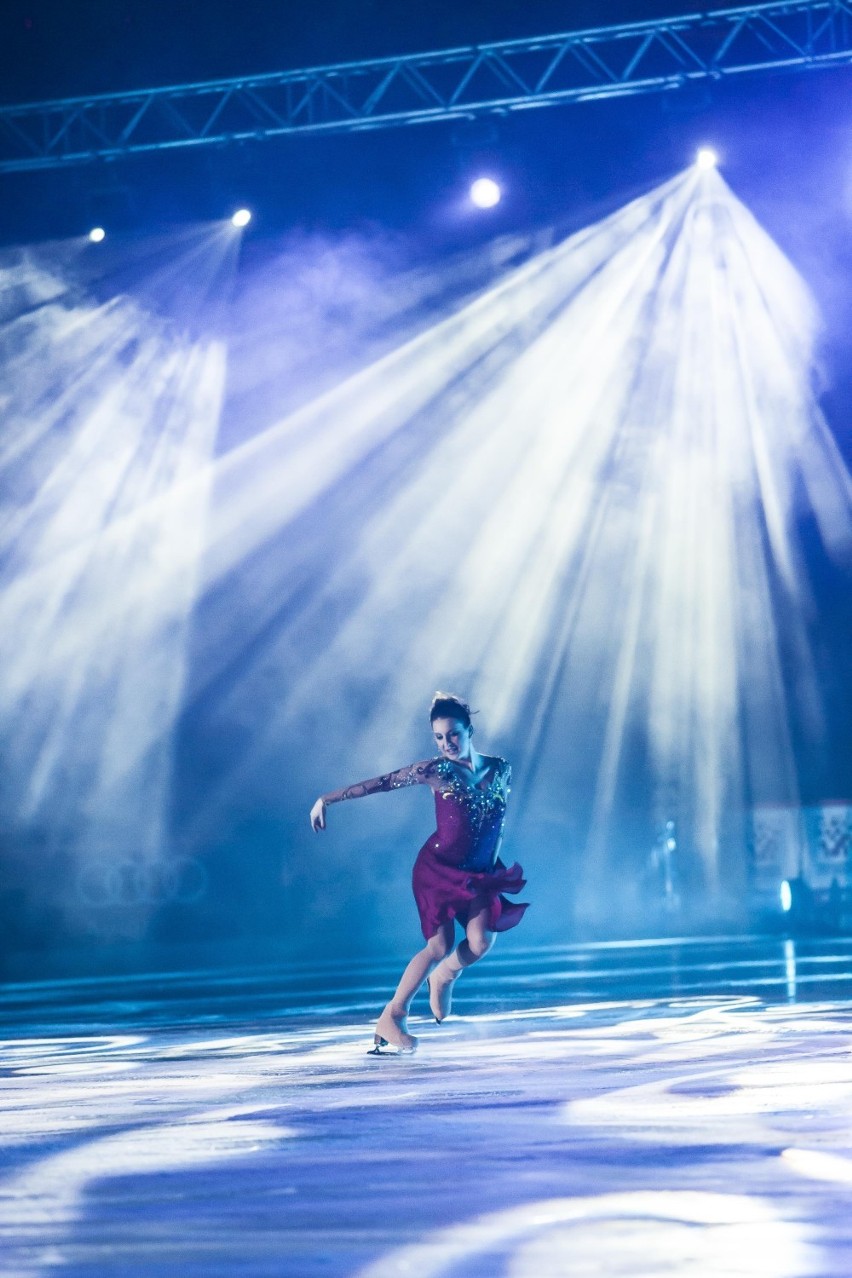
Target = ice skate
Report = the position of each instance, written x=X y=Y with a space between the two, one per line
x=391 y=1032
x=441 y=990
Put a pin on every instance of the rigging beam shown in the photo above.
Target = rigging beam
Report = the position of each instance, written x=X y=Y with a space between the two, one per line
x=602 y=62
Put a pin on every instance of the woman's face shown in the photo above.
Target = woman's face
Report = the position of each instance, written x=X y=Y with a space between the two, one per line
x=452 y=737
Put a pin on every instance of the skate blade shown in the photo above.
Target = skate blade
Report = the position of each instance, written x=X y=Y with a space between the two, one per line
x=381 y=1047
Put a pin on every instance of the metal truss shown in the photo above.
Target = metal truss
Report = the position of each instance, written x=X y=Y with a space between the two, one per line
x=637 y=57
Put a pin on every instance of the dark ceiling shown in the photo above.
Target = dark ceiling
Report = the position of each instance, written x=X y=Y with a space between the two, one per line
x=53 y=48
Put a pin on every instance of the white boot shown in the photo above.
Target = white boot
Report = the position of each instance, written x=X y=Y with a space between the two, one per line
x=391 y=1028
x=441 y=987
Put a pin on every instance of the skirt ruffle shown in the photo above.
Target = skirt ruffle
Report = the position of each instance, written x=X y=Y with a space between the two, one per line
x=445 y=892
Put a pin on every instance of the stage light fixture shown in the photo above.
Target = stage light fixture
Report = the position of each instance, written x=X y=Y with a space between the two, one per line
x=786 y=896
x=242 y=217
x=485 y=193
x=97 y=234
x=706 y=158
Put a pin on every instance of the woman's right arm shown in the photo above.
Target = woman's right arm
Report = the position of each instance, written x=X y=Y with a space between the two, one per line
x=421 y=773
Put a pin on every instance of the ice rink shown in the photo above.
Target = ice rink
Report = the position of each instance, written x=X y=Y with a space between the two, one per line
x=655 y=1108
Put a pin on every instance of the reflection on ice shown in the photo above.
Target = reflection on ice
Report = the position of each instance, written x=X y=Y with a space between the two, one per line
x=820 y=1166
x=40 y=1203
x=600 y=1136
x=631 y=1234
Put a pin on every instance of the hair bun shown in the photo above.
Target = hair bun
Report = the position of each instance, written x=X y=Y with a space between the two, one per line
x=446 y=705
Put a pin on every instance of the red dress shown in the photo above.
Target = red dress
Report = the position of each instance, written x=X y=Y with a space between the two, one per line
x=458 y=864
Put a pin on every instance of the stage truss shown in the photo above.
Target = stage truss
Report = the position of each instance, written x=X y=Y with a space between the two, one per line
x=640 y=57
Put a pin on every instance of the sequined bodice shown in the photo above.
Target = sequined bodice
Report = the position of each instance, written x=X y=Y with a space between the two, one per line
x=470 y=817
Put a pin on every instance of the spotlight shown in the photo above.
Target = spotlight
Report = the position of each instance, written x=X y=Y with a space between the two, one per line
x=786 y=896
x=485 y=193
x=706 y=158
x=242 y=217
x=97 y=234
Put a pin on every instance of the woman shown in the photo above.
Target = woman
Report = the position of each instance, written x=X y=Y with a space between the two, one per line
x=457 y=874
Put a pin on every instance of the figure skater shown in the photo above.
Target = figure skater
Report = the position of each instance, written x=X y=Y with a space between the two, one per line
x=457 y=874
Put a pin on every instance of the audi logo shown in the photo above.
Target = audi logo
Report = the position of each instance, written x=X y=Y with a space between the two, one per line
x=127 y=882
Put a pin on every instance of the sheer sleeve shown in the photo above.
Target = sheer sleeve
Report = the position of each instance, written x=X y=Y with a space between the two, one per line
x=421 y=773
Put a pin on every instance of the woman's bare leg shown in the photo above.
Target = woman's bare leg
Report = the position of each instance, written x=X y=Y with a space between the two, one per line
x=477 y=942
x=479 y=938
x=391 y=1024
x=436 y=948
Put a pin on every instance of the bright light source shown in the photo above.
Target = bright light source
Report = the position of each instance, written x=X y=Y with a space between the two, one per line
x=97 y=234
x=485 y=193
x=786 y=897
x=706 y=158
x=242 y=217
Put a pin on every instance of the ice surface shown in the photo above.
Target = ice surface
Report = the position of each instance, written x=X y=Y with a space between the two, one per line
x=656 y=1109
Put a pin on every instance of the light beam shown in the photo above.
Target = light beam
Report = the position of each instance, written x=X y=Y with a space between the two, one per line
x=575 y=497
x=107 y=407
x=595 y=531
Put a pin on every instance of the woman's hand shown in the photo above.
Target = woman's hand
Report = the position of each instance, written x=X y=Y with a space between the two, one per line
x=318 y=815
